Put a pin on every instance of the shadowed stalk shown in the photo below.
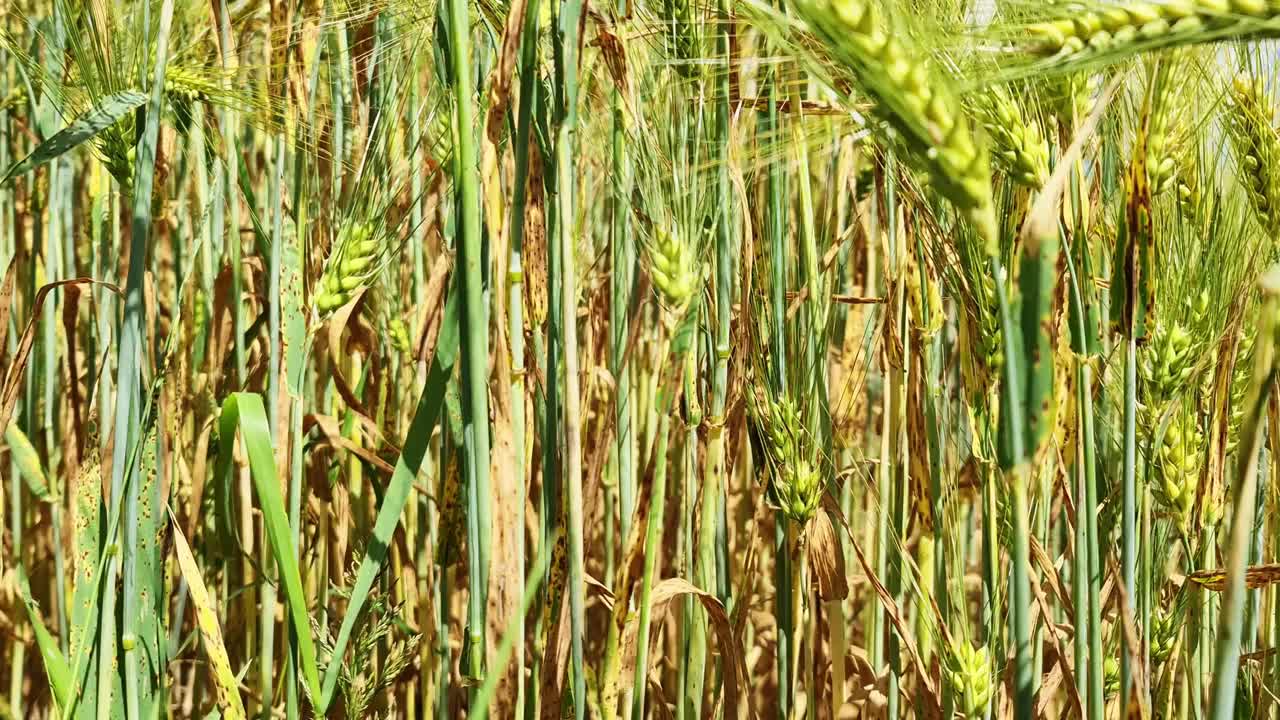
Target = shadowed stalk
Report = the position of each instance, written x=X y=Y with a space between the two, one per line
x=893 y=500
x=515 y=305
x=652 y=548
x=267 y=600
x=1128 y=508
x=776 y=233
x=714 y=479
x=622 y=277
x=230 y=184
x=693 y=630
x=1088 y=566
x=1017 y=476
x=931 y=394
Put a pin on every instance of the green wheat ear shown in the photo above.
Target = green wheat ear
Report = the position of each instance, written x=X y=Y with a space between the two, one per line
x=1114 y=31
x=795 y=478
x=182 y=86
x=350 y=267
x=115 y=145
x=1176 y=466
x=190 y=83
x=969 y=673
x=1250 y=118
x=675 y=269
x=915 y=103
x=1172 y=142
x=1240 y=372
x=1068 y=97
x=1019 y=148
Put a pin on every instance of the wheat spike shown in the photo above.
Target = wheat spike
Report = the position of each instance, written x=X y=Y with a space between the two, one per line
x=349 y=268
x=1020 y=149
x=969 y=672
x=1250 y=115
x=1140 y=25
x=914 y=102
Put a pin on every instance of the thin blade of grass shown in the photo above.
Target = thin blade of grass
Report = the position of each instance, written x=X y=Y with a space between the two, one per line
x=397 y=493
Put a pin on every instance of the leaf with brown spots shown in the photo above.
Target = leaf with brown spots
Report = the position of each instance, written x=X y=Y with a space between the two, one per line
x=227 y=687
x=1255 y=577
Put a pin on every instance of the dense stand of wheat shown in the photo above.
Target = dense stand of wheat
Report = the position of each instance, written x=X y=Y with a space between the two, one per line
x=819 y=359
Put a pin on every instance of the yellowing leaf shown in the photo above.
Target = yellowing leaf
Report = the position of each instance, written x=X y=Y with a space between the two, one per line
x=207 y=620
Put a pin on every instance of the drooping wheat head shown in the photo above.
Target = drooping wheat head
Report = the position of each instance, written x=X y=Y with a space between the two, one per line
x=1250 y=123
x=914 y=100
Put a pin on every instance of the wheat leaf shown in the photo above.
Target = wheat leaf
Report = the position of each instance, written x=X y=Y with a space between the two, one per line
x=84 y=128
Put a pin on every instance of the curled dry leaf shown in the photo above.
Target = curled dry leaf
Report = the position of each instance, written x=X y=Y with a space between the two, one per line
x=1255 y=576
x=730 y=649
x=826 y=561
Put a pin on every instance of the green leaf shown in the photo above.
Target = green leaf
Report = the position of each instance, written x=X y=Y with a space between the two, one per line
x=393 y=502
x=246 y=412
x=110 y=111
x=28 y=462
x=55 y=665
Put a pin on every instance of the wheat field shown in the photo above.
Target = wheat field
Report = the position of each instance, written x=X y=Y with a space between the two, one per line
x=795 y=359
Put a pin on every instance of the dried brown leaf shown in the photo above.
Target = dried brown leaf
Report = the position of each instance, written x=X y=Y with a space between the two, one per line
x=826 y=560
